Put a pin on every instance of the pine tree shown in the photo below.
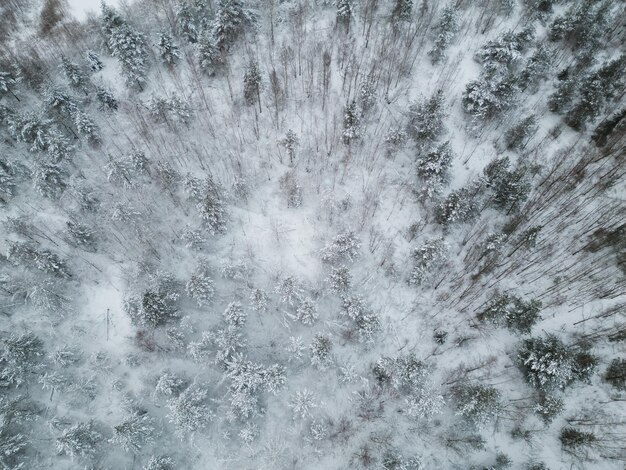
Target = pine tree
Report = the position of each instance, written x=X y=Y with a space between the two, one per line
x=106 y=100
x=169 y=52
x=127 y=45
x=616 y=374
x=563 y=96
x=231 y=21
x=74 y=75
x=513 y=312
x=49 y=180
x=425 y=123
x=446 y=28
x=160 y=463
x=537 y=68
x=434 y=169
x=477 y=404
x=546 y=362
x=306 y=312
x=186 y=22
x=344 y=13
x=504 y=52
x=200 y=286
x=351 y=124
x=81 y=439
x=252 y=84
x=290 y=142
x=189 y=412
x=209 y=55
x=426 y=258
x=134 y=432
x=344 y=247
x=517 y=136
x=486 y=97
x=402 y=10
x=7 y=81
x=85 y=126
x=320 y=348
x=94 y=62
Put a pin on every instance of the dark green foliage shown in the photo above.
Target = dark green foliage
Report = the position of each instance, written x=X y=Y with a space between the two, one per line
x=509 y=189
x=402 y=10
x=595 y=90
x=606 y=128
x=478 y=404
x=425 y=119
x=106 y=101
x=446 y=28
x=486 y=97
x=548 y=407
x=513 y=312
x=231 y=21
x=504 y=52
x=549 y=364
x=616 y=374
x=536 y=69
x=169 y=52
x=583 y=25
x=252 y=84
x=459 y=206
x=563 y=96
x=572 y=438
x=517 y=136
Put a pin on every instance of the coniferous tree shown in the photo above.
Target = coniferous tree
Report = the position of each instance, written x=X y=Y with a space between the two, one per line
x=169 y=52
x=402 y=10
x=232 y=19
x=446 y=28
x=94 y=62
x=74 y=74
x=351 y=123
x=252 y=84
x=517 y=136
x=425 y=123
x=344 y=13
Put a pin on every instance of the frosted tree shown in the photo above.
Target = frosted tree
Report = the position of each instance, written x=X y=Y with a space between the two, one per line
x=81 y=235
x=106 y=100
x=546 y=362
x=160 y=463
x=189 y=412
x=548 y=407
x=434 y=169
x=290 y=142
x=518 y=136
x=22 y=353
x=74 y=75
x=231 y=20
x=210 y=57
x=86 y=126
x=81 y=439
x=344 y=13
x=306 y=312
x=447 y=26
x=252 y=84
x=94 y=62
x=302 y=403
x=200 y=286
x=127 y=45
x=595 y=90
x=616 y=374
x=186 y=23
x=478 y=404
x=486 y=97
x=235 y=315
x=134 y=432
x=537 y=68
x=425 y=119
x=169 y=385
x=344 y=247
x=426 y=258
x=512 y=312
x=291 y=188
x=351 y=123
x=368 y=326
x=7 y=81
x=402 y=10
x=169 y=52
x=339 y=280
x=504 y=52
x=259 y=300
x=290 y=290
x=353 y=307
x=320 y=349
x=563 y=95
x=156 y=305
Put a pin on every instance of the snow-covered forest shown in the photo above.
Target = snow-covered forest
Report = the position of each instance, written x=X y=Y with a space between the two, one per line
x=313 y=234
